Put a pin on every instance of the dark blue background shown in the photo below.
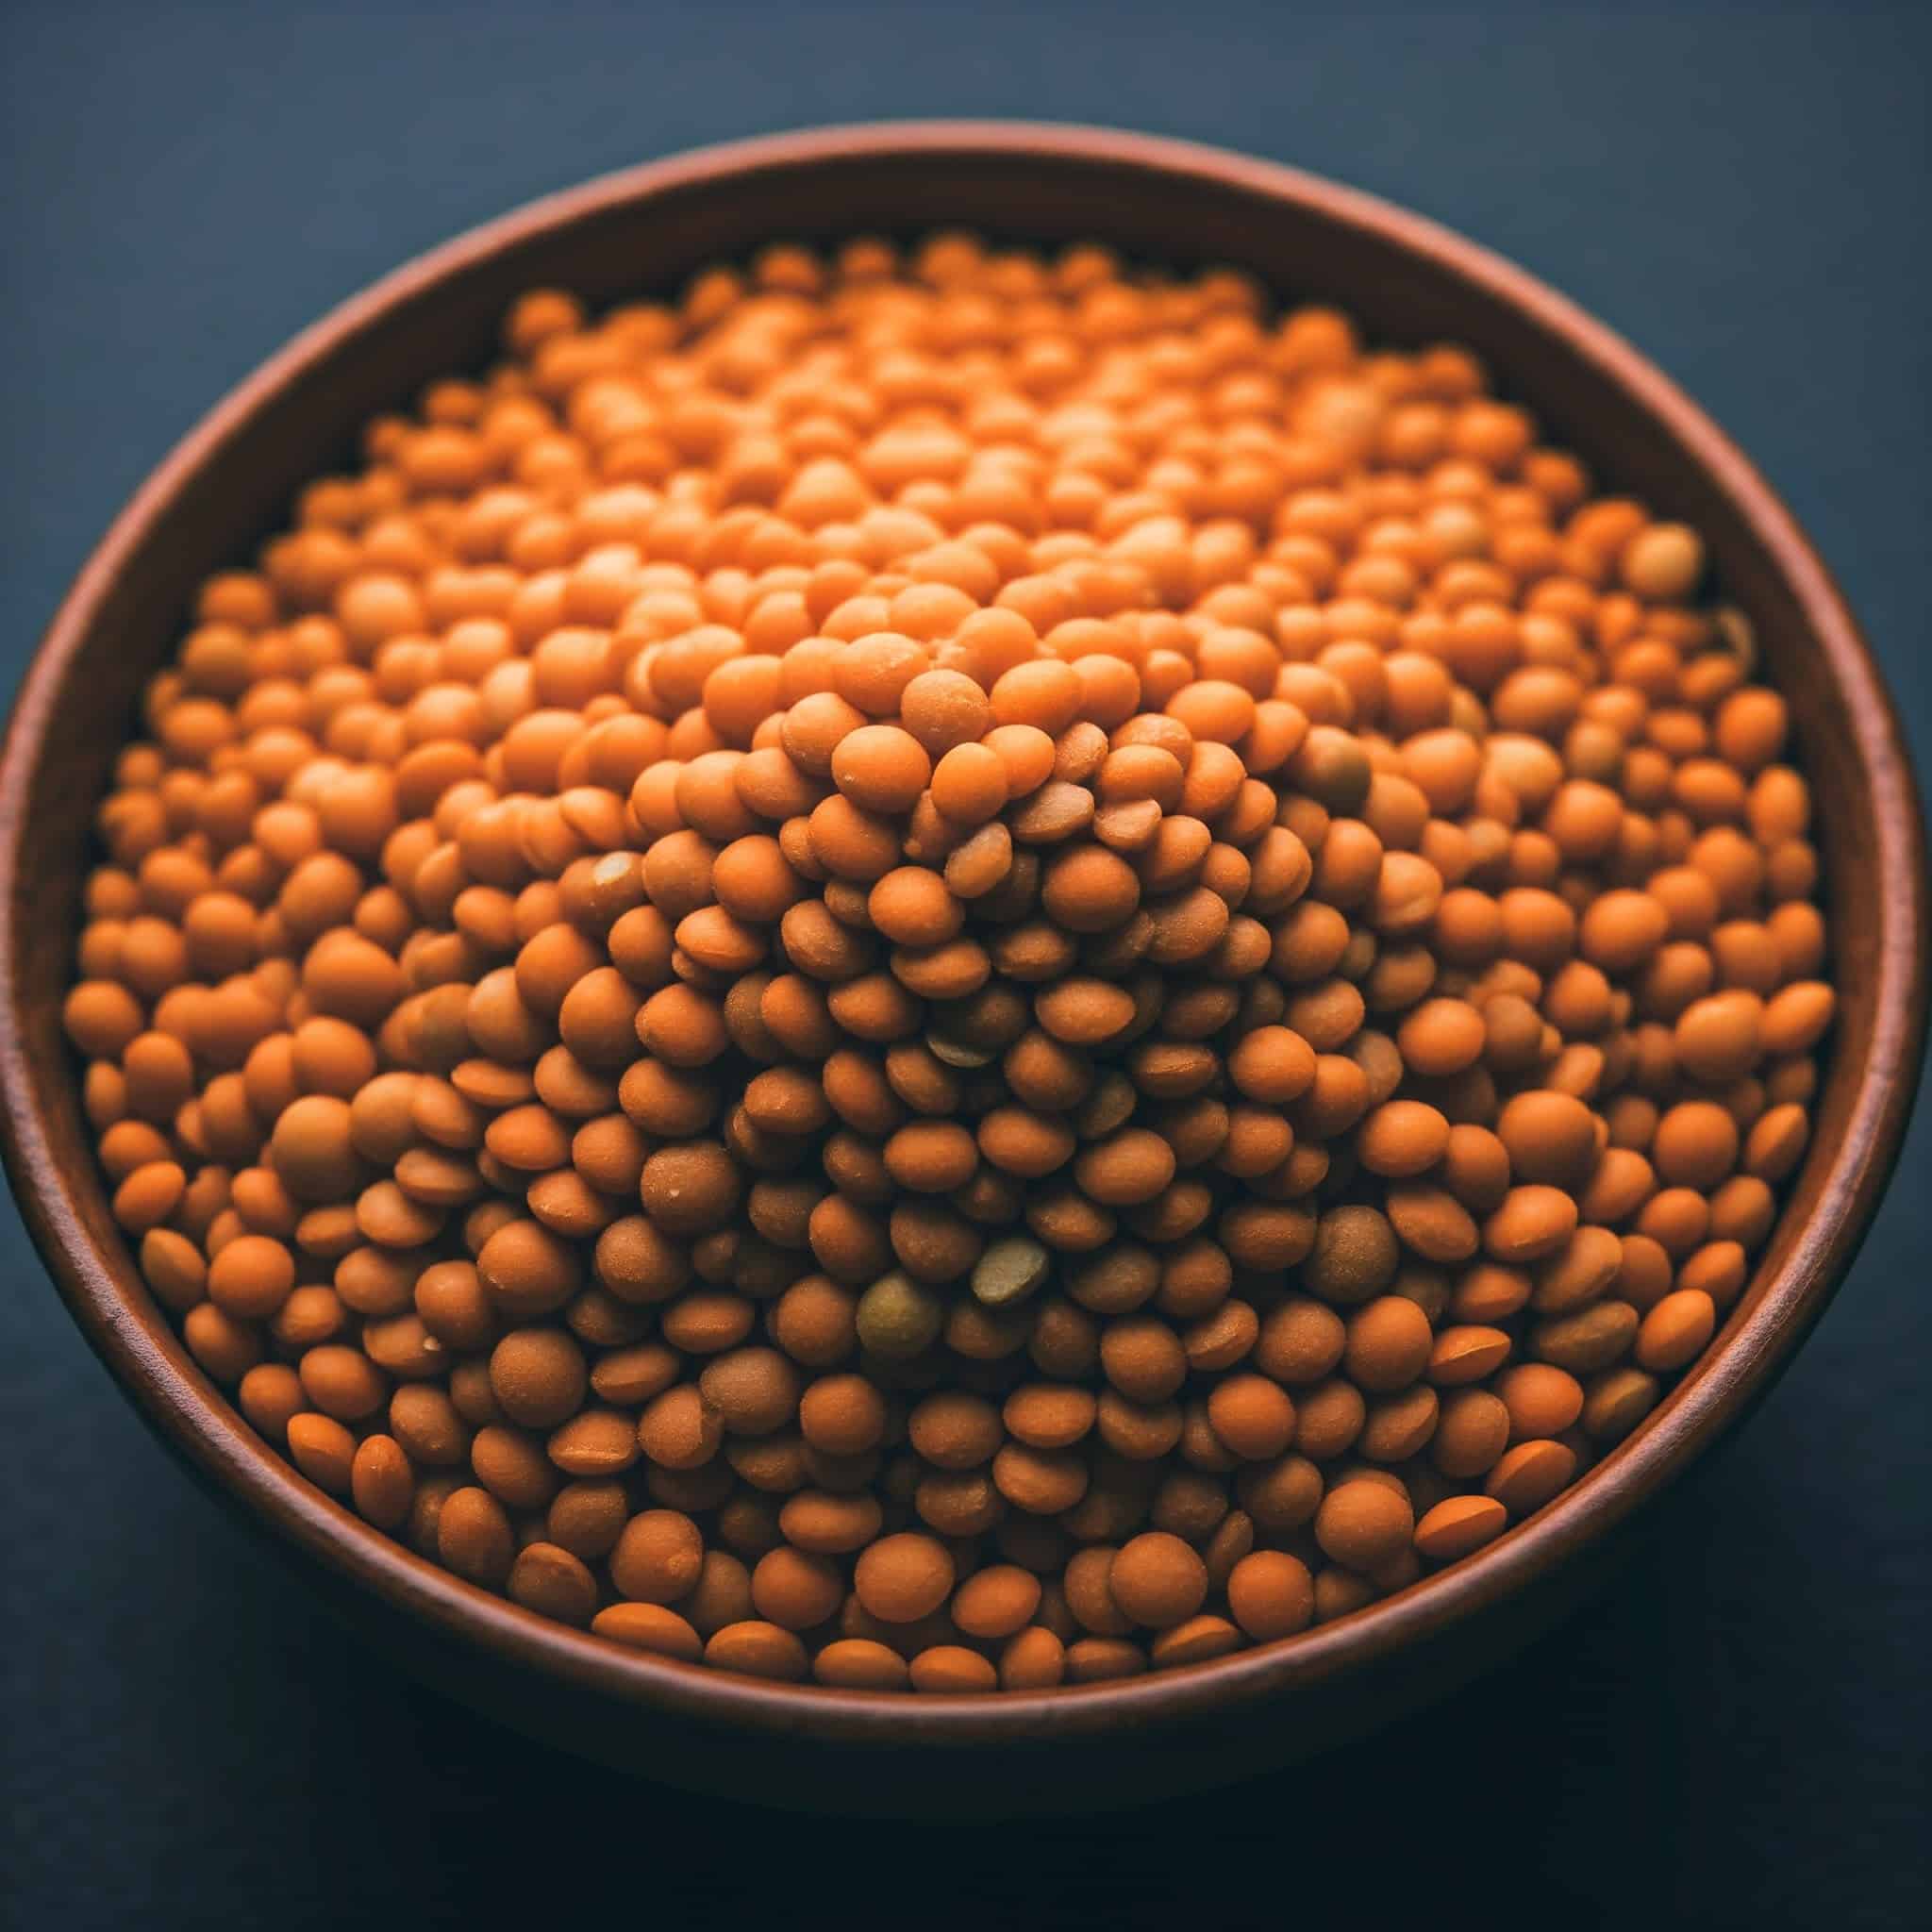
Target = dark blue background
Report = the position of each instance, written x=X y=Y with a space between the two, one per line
x=1734 y=1733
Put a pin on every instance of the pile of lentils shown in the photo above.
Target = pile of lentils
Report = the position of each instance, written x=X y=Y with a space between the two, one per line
x=953 y=971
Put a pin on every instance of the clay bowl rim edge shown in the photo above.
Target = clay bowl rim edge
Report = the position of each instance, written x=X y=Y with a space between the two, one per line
x=133 y=1338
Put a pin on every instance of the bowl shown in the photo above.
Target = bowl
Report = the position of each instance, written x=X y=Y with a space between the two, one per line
x=232 y=481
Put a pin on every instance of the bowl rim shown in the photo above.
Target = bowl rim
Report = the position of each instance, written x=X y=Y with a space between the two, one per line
x=197 y=1421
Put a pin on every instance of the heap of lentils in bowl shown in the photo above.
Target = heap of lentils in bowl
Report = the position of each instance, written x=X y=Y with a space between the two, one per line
x=953 y=971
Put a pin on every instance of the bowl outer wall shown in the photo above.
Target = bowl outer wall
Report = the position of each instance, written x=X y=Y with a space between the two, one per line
x=228 y=483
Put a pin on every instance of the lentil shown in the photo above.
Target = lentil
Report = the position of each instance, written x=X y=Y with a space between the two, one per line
x=1001 y=992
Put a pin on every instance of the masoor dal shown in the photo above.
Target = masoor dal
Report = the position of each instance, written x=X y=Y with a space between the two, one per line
x=953 y=972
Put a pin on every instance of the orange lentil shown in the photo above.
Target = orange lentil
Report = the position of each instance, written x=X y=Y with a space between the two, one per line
x=903 y=1577
x=1107 y=904
x=649 y=1626
x=1363 y=1525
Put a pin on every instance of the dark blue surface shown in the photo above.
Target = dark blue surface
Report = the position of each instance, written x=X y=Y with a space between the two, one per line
x=1735 y=1734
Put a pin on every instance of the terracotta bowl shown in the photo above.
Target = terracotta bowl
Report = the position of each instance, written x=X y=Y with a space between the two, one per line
x=232 y=481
